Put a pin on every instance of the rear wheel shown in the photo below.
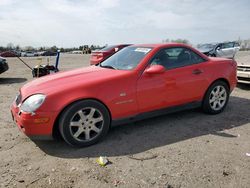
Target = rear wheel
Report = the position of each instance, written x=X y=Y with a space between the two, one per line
x=84 y=123
x=216 y=98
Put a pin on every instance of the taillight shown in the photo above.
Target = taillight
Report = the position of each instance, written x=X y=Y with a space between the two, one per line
x=100 y=55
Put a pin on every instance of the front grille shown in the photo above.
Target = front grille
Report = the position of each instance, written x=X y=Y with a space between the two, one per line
x=18 y=99
x=244 y=79
x=244 y=69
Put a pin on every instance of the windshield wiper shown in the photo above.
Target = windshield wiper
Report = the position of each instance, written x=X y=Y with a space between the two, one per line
x=107 y=66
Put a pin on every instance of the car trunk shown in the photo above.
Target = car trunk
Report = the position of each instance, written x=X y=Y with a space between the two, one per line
x=99 y=56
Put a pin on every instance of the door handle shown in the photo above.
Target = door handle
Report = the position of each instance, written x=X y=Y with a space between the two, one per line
x=197 y=71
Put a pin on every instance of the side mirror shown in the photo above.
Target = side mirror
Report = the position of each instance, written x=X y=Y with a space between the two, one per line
x=155 y=69
x=218 y=48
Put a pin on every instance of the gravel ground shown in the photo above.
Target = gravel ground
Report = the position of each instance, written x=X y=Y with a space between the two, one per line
x=185 y=149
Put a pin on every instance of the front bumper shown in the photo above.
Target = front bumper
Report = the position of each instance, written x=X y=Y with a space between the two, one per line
x=243 y=77
x=35 y=126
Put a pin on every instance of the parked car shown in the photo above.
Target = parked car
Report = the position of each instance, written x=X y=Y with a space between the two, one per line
x=29 y=54
x=226 y=49
x=40 y=53
x=3 y=65
x=98 y=56
x=243 y=73
x=18 y=53
x=49 y=53
x=137 y=82
x=10 y=54
x=76 y=52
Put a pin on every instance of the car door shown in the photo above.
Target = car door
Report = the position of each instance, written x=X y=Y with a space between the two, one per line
x=226 y=50
x=231 y=50
x=183 y=81
x=236 y=48
x=221 y=51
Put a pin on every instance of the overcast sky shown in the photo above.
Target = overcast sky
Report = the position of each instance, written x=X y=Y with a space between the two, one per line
x=68 y=23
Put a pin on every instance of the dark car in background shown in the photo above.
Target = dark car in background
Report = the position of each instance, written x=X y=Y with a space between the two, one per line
x=49 y=53
x=98 y=56
x=225 y=49
x=3 y=65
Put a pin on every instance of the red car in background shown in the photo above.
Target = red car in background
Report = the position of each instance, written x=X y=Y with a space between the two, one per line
x=137 y=82
x=9 y=54
x=98 y=56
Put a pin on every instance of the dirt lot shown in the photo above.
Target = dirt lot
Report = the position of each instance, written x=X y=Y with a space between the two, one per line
x=186 y=149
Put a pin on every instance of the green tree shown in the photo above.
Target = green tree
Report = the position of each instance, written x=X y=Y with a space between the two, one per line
x=53 y=48
x=10 y=46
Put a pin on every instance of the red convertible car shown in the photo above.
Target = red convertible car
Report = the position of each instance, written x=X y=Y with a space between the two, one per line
x=137 y=82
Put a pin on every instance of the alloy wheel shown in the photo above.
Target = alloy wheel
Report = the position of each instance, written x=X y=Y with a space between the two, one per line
x=218 y=97
x=86 y=124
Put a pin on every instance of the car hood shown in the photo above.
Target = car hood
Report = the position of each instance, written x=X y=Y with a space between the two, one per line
x=205 y=50
x=69 y=79
x=2 y=60
x=244 y=64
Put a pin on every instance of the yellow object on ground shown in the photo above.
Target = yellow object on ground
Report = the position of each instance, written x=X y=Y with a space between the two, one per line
x=103 y=161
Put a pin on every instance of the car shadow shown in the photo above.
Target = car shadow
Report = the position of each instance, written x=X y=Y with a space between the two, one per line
x=141 y=136
x=243 y=86
x=12 y=80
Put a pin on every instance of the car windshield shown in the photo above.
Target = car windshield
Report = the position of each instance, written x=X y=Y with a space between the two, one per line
x=126 y=59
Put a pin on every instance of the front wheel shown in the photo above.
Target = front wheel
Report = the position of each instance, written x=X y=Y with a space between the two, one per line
x=84 y=123
x=216 y=98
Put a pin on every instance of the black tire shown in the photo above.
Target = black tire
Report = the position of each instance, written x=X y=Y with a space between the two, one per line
x=70 y=115
x=209 y=107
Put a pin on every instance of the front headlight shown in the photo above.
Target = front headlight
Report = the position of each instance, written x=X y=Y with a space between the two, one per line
x=32 y=103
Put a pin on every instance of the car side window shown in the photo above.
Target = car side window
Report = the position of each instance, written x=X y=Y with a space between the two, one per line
x=176 y=57
x=227 y=45
x=236 y=44
x=231 y=44
x=223 y=46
